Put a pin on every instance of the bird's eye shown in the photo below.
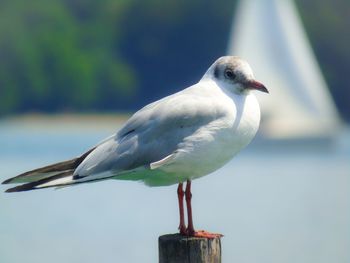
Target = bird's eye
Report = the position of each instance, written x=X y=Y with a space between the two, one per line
x=230 y=74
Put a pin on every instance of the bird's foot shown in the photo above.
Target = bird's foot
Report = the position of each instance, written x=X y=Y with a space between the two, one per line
x=205 y=234
x=200 y=234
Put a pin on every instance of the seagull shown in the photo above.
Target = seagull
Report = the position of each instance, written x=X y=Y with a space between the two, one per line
x=174 y=140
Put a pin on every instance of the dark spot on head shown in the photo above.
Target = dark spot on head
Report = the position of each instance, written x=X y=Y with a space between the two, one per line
x=217 y=71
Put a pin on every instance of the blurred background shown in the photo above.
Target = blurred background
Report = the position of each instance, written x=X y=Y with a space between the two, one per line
x=72 y=71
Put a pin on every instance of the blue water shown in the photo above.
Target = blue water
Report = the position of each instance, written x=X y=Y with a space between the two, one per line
x=273 y=204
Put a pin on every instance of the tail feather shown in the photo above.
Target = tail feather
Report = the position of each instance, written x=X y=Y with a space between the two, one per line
x=48 y=172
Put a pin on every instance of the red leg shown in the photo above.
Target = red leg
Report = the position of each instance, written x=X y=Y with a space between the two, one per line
x=180 y=196
x=190 y=228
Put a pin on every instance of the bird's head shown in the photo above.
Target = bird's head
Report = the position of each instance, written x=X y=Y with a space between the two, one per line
x=235 y=74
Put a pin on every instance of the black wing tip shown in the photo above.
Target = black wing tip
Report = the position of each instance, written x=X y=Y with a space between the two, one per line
x=20 y=188
x=8 y=181
x=33 y=185
x=56 y=167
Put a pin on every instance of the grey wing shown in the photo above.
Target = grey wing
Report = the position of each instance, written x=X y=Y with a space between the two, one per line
x=150 y=135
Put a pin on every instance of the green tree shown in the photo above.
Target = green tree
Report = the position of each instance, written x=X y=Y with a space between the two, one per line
x=58 y=55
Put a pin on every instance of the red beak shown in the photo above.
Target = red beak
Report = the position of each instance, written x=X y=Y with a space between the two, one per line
x=253 y=84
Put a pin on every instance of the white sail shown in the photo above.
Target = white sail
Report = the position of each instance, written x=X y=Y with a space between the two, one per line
x=270 y=36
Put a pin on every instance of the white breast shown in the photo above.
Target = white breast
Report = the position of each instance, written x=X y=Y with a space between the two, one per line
x=215 y=144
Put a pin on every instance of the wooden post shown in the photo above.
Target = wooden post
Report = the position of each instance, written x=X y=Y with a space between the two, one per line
x=175 y=248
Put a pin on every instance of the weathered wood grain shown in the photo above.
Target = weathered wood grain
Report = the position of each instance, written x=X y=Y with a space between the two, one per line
x=175 y=248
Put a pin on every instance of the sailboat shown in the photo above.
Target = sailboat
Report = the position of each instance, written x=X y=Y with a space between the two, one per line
x=269 y=34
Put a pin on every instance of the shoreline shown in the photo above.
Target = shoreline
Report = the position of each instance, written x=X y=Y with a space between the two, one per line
x=88 y=121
